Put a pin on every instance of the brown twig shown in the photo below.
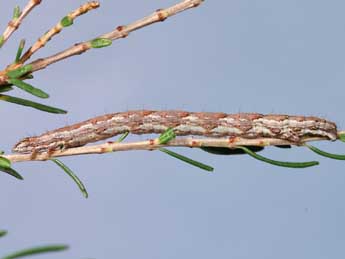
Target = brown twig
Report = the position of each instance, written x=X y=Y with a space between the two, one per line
x=154 y=144
x=76 y=49
x=57 y=28
x=119 y=32
x=14 y=24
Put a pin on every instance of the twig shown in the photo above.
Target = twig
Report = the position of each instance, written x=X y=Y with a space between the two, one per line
x=14 y=24
x=57 y=28
x=153 y=144
x=119 y=32
x=79 y=48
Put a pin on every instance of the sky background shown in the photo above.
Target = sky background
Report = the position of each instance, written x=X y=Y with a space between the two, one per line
x=228 y=56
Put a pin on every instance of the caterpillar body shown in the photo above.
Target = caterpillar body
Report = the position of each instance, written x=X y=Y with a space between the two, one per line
x=208 y=124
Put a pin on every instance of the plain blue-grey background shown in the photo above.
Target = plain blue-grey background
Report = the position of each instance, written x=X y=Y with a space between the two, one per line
x=230 y=56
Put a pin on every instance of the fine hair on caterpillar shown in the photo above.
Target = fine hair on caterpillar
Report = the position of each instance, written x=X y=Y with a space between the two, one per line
x=208 y=124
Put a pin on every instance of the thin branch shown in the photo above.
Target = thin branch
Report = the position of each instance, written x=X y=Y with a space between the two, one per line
x=153 y=144
x=101 y=41
x=57 y=28
x=14 y=24
x=120 y=32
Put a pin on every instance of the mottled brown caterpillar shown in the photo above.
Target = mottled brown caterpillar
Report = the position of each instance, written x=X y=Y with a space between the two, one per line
x=208 y=124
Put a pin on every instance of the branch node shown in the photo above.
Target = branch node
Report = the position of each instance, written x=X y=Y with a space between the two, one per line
x=162 y=14
x=13 y=24
x=122 y=32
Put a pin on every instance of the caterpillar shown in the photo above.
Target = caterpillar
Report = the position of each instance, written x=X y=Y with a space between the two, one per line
x=208 y=124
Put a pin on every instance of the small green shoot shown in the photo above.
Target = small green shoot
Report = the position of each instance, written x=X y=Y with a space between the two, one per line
x=123 y=136
x=341 y=137
x=187 y=160
x=2 y=40
x=36 y=251
x=325 y=154
x=166 y=136
x=279 y=163
x=20 y=50
x=100 y=43
x=66 y=21
x=16 y=12
x=31 y=104
x=28 y=88
x=72 y=175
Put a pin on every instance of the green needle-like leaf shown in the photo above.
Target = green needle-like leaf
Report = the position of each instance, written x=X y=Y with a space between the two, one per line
x=5 y=166
x=3 y=233
x=34 y=105
x=325 y=154
x=166 y=136
x=72 y=175
x=19 y=72
x=100 y=43
x=341 y=137
x=187 y=160
x=5 y=162
x=20 y=50
x=279 y=163
x=28 y=88
x=16 y=12
x=36 y=251
x=123 y=136
x=229 y=151
x=11 y=171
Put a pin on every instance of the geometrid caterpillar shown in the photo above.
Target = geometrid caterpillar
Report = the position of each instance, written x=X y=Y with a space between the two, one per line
x=208 y=124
